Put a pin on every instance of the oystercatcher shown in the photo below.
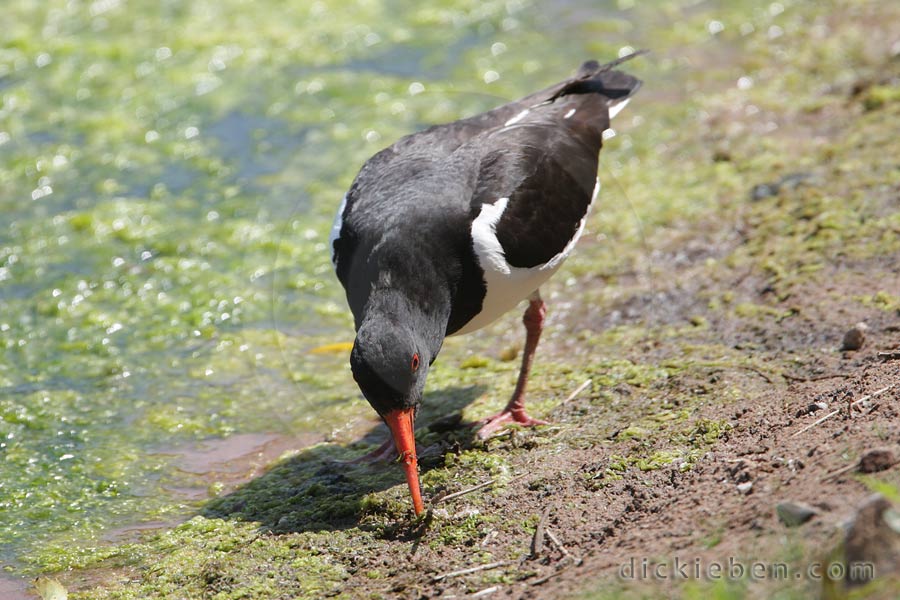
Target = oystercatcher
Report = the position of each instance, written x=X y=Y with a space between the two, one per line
x=449 y=228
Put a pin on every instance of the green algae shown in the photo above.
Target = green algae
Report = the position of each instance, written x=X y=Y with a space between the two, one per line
x=238 y=564
x=882 y=300
x=879 y=95
x=167 y=196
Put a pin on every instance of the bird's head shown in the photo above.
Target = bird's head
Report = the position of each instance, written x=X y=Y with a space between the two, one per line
x=389 y=364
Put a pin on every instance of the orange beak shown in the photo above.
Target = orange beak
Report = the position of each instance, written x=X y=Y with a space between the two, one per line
x=401 y=424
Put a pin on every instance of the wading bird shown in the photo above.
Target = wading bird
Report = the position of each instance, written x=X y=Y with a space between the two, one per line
x=451 y=227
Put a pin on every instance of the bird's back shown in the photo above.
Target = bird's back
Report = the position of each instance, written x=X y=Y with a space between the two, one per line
x=408 y=216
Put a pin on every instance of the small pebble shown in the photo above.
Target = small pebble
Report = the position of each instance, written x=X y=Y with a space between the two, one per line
x=773 y=188
x=811 y=408
x=745 y=488
x=871 y=538
x=763 y=190
x=793 y=514
x=855 y=337
x=879 y=459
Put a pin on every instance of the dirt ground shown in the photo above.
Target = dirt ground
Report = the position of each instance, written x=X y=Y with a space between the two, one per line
x=773 y=451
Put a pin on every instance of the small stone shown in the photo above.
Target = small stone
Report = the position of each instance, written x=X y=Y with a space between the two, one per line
x=811 y=408
x=763 y=190
x=793 y=514
x=745 y=488
x=879 y=459
x=855 y=337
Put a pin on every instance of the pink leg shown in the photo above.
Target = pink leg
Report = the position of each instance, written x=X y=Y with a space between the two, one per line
x=515 y=408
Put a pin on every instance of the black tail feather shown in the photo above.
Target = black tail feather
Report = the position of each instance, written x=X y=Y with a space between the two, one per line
x=595 y=78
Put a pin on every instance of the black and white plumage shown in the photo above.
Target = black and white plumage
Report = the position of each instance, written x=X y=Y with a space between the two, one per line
x=451 y=227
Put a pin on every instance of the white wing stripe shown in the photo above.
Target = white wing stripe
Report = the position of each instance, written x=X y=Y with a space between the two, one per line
x=617 y=108
x=505 y=284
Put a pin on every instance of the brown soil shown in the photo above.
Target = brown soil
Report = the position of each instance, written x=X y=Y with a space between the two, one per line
x=667 y=513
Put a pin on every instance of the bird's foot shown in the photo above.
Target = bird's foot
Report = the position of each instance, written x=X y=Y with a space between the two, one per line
x=386 y=452
x=515 y=417
x=382 y=453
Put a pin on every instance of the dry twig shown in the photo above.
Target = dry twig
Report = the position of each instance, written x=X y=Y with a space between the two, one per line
x=577 y=391
x=485 y=592
x=547 y=578
x=474 y=488
x=537 y=542
x=790 y=377
x=493 y=565
x=840 y=471
x=576 y=560
x=566 y=554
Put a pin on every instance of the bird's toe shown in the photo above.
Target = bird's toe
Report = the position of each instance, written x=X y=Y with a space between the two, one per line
x=386 y=452
x=492 y=425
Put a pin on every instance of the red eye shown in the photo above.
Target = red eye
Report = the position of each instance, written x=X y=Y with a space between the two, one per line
x=415 y=362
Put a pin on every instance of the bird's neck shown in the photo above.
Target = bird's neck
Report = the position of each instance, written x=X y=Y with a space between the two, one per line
x=425 y=317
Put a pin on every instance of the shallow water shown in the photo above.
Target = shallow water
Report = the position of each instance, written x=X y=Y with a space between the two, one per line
x=14 y=588
x=169 y=173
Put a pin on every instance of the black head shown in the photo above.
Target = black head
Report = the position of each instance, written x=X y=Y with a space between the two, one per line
x=396 y=342
x=389 y=364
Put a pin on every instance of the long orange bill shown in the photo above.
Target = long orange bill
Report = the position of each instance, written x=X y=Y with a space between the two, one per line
x=401 y=424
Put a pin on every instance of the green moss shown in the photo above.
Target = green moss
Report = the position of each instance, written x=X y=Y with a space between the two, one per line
x=208 y=557
x=656 y=460
x=882 y=300
x=707 y=431
x=474 y=362
x=465 y=531
x=633 y=432
x=478 y=463
x=748 y=310
x=888 y=489
x=879 y=95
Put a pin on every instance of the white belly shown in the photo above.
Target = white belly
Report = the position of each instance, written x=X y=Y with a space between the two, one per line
x=508 y=285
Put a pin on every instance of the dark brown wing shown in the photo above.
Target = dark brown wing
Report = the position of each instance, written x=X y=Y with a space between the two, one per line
x=546 y=165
